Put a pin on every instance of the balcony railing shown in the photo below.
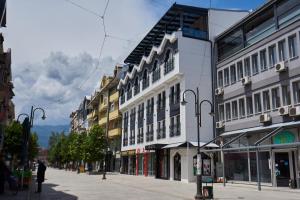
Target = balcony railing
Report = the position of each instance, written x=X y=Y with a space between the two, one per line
x=149 y=136
x=140 y=138
x=132 y=140
x=145 y=83
x=174 y=130
x=155 y=75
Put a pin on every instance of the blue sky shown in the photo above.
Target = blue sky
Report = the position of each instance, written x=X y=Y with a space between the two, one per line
x=55 y=46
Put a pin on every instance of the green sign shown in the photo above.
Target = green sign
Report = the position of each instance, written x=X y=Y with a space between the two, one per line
x=284 y=137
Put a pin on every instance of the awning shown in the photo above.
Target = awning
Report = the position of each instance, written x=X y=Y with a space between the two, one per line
x=173 y=145
x=154 y=146
x=184 y=144
x=261 y=128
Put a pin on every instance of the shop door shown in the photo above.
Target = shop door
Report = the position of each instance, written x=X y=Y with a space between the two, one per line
x=282 y=169
x=177 y=167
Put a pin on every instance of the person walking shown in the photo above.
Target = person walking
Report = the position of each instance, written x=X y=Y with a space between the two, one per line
x=40 y=175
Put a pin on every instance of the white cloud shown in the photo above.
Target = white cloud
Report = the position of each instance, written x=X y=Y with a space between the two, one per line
x=47 y=40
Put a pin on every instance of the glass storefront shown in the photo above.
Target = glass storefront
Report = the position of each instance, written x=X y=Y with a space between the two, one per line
x=151 y=164
x=236 y=167
x=140 y=163
x=163 y=164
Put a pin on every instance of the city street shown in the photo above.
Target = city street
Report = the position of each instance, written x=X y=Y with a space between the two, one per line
x=66 y=185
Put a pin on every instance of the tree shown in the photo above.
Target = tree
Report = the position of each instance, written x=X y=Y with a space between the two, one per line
x=33 y=147
x=13 y=140
x=97 y=143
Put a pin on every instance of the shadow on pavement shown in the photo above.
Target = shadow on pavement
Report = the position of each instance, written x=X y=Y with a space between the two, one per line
x=49 y=193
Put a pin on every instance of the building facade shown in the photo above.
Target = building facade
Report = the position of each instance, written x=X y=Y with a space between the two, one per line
x=159 y=135
x=79 y=118
x=258 y=93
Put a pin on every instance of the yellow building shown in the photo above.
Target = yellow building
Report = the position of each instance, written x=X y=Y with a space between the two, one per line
x=105 y=111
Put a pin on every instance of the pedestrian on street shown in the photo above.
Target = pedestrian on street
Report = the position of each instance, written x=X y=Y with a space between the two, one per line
x=40 y=175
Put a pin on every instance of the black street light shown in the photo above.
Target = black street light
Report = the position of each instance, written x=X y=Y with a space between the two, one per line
x=198 y=105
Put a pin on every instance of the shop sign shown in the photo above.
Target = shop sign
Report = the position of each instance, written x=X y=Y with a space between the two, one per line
x=284 y=137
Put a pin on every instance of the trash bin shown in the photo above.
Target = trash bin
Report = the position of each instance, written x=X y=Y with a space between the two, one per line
x=208 y=192
x=292 y=183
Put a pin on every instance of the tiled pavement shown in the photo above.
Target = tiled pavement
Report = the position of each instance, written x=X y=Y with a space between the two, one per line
x=66 y=185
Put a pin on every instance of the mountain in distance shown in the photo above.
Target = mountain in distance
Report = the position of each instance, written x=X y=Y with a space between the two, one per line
x=44 y=132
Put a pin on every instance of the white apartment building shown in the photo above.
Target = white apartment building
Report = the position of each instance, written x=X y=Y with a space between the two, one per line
x=159 y=135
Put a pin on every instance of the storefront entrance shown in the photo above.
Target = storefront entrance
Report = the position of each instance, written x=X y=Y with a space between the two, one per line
x=177 y=167
x=282 y=169
x=162 y=167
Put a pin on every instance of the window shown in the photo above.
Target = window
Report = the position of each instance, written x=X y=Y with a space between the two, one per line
x=286 y=95
x=175 y=126
x=275 y=98
x=136 y=86
x=240 y=73
x=226 y=76
x=247 y=67
x=254 y=64
x=228 y=111
x=249 y=106
x=296 y=92
x=161 y=101
x=169 y=61
x=129 y=91
x=220 y=78
x=272 y=55
x=266 y=100
x=234 y=110
x=263 y=60
x=155 y=71
x=257 y=103
x=242 y=107
x=232 y=74
x=175 y=94
x=221 y=112
x=288 y=12
x=230 y=44
x=145 y=79
x=292 y=46
x=281 y=50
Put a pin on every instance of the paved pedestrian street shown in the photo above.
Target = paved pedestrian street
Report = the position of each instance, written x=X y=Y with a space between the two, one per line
x=67 y=185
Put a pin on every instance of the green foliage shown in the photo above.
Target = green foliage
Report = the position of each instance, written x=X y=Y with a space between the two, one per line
x=13 y=139
x=33 y=147
x=76 y=147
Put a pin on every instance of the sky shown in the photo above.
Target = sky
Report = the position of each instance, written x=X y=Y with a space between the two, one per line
x=56 y=45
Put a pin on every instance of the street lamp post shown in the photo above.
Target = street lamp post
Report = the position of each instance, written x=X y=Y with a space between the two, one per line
x=198 y=105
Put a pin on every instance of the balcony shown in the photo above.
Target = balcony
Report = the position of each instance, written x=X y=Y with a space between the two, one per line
x=145 y=83
x=92 y=115
x=114 y=97
x=103 y=106
x=149 y=136
x=125 y=141
x=132 y=140
x=114 y=132
x=169 y=66
x=122 y=99
x=114 y=114
x=161 y=133
x=102 y=120
x=161 y=113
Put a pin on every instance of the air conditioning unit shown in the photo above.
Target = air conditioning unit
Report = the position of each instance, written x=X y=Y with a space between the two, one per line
x=284 y=110
x=246 y=80
x=219 y=91
x=280 y=67
x=264 y=118
x=295 y=111
x=220 y=124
